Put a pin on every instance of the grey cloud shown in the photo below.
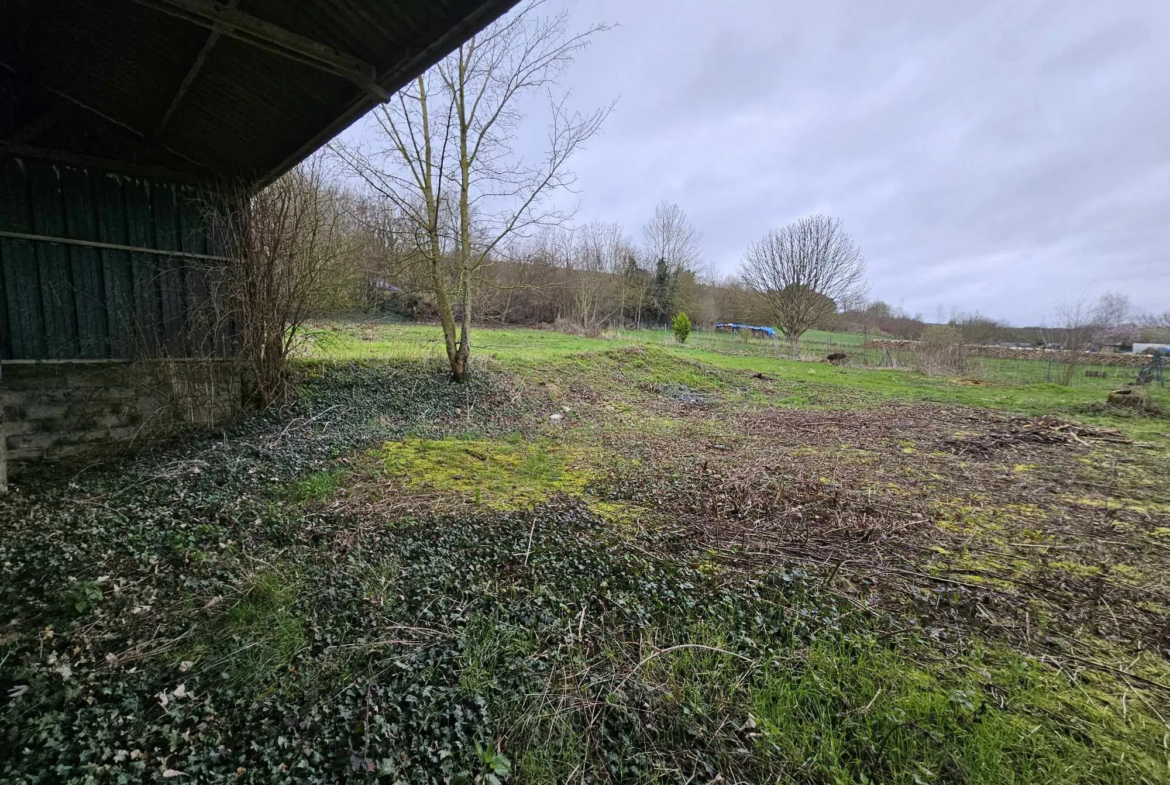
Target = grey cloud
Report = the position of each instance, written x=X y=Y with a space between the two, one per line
x=990 y=155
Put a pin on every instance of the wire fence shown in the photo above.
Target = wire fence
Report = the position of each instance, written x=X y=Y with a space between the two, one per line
x=372 y=340
x=1084 y=373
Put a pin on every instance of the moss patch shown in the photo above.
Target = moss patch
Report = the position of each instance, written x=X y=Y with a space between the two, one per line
x=501 y=475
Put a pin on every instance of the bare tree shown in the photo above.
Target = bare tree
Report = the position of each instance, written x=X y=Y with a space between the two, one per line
x=977 y=328
x=670 y=236
x=1078 y=324
x=1112 y=309
x=671 y=246
x=288 y=249
x=636 y=287
x=599 y=252
x=447 y=156
x=804 y=272
x=1154 y=328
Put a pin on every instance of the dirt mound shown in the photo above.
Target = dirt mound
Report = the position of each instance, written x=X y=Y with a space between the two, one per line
x=1134 y=398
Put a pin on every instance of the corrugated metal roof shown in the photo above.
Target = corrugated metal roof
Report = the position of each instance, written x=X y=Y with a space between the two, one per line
x=113 y=67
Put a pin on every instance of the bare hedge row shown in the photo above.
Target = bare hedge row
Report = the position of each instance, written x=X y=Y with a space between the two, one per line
x=1008 y=353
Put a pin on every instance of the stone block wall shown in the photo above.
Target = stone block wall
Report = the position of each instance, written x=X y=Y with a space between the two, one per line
x=73 y=409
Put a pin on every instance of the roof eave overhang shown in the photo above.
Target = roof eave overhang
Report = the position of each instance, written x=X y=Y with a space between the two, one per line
x=393 y=79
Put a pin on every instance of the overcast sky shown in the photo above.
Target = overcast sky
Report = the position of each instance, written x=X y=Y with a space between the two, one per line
x=985 y=154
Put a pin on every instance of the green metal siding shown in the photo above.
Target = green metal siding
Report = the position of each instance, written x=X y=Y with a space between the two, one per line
x=64 y=301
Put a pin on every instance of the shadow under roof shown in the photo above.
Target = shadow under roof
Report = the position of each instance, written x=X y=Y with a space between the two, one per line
x=200 y=90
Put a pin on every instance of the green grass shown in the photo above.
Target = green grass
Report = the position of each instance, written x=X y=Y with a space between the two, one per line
x=255 y=639
x=495 y=596
x=849 y=710
x=854 y=712
x=416 y=341
x=545 y=354
x=318 y=487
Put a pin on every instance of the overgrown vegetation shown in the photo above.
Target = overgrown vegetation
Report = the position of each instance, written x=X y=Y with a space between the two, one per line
x=602 y=565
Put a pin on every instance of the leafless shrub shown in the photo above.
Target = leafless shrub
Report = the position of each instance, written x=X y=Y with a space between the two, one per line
x=574 y=327
x=941 y=351
x=1078 y=323
x=288 y=252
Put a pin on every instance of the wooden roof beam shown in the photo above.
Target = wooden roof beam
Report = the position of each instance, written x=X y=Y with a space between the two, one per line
x=54 y=95
x=224 y=19
x=192 y=72
x=34 y=128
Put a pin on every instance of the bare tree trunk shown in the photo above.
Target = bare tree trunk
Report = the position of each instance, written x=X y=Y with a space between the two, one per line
x=442 y=300
x=459 y=367
x=479 y=88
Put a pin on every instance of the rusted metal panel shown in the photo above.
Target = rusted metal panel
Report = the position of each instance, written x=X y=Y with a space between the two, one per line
x=70 y=300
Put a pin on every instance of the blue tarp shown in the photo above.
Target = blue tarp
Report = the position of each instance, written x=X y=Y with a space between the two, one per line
x=768 y=331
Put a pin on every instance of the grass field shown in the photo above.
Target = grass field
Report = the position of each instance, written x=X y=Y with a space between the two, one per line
x=601 y=560
x=527 y=351
x=374 y=339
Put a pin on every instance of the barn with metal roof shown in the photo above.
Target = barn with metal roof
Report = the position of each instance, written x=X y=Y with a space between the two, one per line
x=116 y=114
x=169 y=94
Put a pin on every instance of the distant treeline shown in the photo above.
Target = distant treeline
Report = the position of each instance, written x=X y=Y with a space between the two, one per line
x=596 y=277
